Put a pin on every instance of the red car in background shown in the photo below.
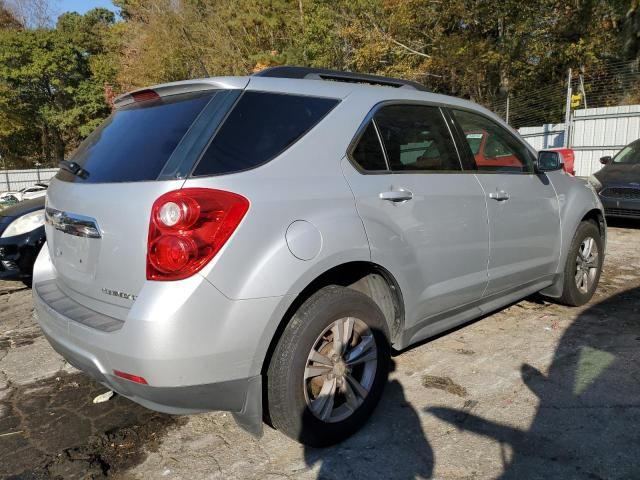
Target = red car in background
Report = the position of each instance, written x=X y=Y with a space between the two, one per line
x=489 y=151
x=568 y=158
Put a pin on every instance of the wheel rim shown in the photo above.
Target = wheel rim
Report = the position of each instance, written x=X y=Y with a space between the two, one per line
x=586 y=265
x=340 y=370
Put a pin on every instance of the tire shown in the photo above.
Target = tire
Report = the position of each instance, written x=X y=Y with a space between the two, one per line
x=575 y=292
x=292 y=398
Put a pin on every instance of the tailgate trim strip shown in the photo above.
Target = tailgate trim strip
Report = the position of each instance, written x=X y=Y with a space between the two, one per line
x=58 y=301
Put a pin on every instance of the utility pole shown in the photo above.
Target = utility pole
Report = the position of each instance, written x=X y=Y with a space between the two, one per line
x=507 y=114
x=567 y=114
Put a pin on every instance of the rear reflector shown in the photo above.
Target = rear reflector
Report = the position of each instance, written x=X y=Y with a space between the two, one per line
x=131 y=377
x=188 y=227
x=144 y=95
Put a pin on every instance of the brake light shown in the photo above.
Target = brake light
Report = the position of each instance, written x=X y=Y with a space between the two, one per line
x=188 y=227
x=144 y=95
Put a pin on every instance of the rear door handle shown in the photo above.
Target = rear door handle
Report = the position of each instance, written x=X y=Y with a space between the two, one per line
x=397 y=195
x=499 y=195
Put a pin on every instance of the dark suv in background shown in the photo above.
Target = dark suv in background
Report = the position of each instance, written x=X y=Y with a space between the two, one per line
x=618 y=183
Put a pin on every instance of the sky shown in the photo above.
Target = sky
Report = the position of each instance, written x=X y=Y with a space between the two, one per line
x=82 y=6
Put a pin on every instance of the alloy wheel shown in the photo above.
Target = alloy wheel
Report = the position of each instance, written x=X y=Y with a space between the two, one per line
x=340 y=370
x=587 y=264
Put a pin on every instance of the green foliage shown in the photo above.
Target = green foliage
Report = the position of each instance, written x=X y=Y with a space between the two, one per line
x=53 y=81
x=51 y=87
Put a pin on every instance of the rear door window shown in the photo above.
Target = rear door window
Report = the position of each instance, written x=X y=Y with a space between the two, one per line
x=136 y=141
x=416 y=138
x=260 y=127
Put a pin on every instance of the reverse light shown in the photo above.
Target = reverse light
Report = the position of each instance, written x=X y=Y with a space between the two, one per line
x=130 y=376
x=170 y=214
x=188 y=227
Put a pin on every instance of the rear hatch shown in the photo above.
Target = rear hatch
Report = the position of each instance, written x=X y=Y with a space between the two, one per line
x=97 y=219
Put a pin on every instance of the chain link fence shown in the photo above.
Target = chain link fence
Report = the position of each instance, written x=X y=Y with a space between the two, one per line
x=607 y=85
x=14 y=180
x=595 y=113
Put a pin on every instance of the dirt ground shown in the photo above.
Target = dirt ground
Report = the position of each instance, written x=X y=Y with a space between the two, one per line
x=536 y=390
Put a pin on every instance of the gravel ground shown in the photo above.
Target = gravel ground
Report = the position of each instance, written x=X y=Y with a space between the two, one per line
x=536 y=390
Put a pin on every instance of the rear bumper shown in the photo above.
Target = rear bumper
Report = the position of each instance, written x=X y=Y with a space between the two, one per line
x=93 y=353
x=229 y=395
x=197 y=350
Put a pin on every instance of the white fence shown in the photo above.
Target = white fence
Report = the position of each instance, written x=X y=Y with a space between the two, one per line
x=593 y=133
x=13 y=180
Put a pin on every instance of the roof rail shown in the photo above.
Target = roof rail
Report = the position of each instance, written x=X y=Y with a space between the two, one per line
x=310 y=73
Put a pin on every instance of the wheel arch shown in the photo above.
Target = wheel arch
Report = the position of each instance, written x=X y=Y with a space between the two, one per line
x=596 y=216
x=593 y=214
x=366 y=277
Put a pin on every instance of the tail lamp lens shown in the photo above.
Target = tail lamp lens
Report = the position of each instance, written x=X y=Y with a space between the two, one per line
x=188 y=227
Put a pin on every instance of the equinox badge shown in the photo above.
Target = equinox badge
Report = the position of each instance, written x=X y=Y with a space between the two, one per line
x=115 y=293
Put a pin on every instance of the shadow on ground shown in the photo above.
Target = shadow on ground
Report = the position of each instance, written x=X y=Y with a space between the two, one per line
x=587 y=422
x=51 y=429
x=391 y=445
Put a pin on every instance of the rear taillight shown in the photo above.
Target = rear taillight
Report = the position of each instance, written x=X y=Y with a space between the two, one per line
x=188 y=227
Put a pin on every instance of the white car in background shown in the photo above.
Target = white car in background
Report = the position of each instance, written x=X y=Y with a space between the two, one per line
x=35 y=191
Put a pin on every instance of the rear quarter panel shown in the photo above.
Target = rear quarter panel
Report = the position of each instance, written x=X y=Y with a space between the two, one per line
x=303 y=183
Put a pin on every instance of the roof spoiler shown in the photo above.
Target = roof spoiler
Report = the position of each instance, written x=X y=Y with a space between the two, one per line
x=177 y=88
x=310 y=73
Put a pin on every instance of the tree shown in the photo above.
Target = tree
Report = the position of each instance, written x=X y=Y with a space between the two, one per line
x=51 y=93
x=31 y=13
x=8 y=20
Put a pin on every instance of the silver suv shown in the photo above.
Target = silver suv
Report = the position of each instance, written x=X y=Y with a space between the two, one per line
x=260 y=244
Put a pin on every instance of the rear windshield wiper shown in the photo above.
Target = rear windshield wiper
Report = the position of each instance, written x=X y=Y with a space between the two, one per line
x=74 y=168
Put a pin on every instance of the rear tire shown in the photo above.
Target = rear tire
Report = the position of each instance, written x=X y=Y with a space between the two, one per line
x=583 y=265
x=329 y=368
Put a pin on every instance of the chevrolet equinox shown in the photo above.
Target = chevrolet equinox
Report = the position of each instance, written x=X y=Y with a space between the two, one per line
x=260 y=244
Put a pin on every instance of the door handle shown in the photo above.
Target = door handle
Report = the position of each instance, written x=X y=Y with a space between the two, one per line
x=500 y=195
x=396 y=195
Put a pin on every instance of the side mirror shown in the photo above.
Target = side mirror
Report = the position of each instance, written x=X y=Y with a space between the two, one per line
x=606 y=160
x=549 y=161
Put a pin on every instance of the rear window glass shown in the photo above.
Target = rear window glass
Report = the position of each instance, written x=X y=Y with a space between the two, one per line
x=260 y=127
x=136 y=141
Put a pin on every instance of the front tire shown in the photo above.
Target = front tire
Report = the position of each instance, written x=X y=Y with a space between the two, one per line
x=329 y=368
x=583 y=265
